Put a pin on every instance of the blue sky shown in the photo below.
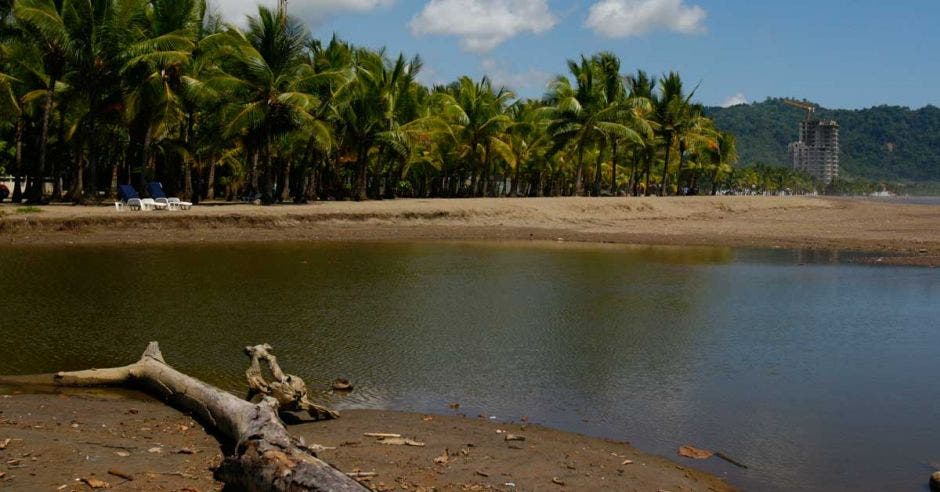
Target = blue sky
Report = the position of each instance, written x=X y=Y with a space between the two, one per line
x=841 y=54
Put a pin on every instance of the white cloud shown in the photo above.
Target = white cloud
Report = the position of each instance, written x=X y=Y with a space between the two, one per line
x=623 y=18
x=312 y=11
x=483 y=24
x=531 y=81
x=734 y=100
x=430 y=77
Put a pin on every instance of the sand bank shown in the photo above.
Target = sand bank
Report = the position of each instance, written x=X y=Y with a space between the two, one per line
x=902 y=233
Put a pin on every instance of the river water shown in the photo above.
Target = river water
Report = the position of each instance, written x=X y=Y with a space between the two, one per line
x=817 y=374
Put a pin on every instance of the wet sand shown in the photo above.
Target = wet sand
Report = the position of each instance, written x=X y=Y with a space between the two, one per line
x=898 y=233
x=58 y=439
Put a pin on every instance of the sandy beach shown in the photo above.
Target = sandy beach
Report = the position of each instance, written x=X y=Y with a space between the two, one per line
x=902 y=234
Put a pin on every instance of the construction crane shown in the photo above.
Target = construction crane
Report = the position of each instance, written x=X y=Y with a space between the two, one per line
x=809 y=108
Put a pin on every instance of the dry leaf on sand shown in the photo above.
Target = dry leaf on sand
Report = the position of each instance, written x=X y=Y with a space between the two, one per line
x=690 y=451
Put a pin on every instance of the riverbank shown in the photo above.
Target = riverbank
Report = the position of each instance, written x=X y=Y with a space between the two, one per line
x=901 y=233
x=58 y=440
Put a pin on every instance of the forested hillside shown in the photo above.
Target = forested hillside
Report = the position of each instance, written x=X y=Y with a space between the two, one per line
x=884 y=142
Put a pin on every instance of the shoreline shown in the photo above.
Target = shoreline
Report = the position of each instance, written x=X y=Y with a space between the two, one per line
x=901 y=234
x=89 y=434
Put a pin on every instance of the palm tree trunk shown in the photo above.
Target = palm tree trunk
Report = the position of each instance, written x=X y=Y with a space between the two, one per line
x=374 y=185
x=210 y=182
x=39 y=182
x=17 y=196
x=613 y=171
x=681 y=166
x=56 y=169
x=267 y=186
x=253 y=178
x=144 y=159
x=486 y=175
x=362 y=165
x=187 y=180
x=650 y=155
x=112 y=192
x=665 y=181
x=634 y=182
x=78 y=187
x=598 y=172
x=285 y=192
x=715 y=180
x=578 y=184
x=187 y=166
x=310 y=190
x=93 y=150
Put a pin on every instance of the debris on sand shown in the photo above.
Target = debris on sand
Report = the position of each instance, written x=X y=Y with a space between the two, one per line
x=121 y=474
x=689 y=451
x=342 y=385
x=443 y=459
x=95 y=483
x=401 y=441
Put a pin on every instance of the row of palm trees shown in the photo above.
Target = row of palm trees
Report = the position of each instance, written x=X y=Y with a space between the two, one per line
x=102 y=92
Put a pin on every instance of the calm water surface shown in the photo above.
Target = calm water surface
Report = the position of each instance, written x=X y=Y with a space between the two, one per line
x=818 y=375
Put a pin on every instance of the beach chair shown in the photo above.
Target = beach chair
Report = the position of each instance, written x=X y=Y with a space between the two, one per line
x=128 y=199
x=155 y=189
x=151 y=204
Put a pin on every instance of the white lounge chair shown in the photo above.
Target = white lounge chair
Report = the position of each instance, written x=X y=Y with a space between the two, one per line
x=129 y=199
x=175 y=203
x=148 y=204
x=156 y=190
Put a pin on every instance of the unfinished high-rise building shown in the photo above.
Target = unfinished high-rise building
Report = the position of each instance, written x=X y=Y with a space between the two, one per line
x=817 y=151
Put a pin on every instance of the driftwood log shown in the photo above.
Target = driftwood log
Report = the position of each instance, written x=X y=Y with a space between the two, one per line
x=290 y=391
x=264 y=456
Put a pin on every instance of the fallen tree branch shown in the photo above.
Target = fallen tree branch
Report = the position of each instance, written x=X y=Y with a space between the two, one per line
x=290 y=391
x=730 y=460
x=265 y=456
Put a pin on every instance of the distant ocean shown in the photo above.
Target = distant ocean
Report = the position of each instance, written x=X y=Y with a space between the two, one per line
x=911 y=200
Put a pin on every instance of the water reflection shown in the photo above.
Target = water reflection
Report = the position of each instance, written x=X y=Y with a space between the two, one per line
x=819 y=377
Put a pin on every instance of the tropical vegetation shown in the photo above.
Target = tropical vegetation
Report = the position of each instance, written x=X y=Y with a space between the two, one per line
x=883 y=143
x=98 y=93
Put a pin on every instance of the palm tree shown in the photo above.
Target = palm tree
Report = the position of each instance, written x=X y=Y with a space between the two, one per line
x=584 y=116
x=382 y=98
x=160 y=52
x=526 y=138
x=608 y=66
x=695 y=133
x=22 y=70
x=44 y=22
x=162 y=80
x=641 y=88
x=263 y=71
x=477 y=114
x=94 y=86
x=672 y=112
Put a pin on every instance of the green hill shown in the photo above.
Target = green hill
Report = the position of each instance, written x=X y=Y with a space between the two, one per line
x=880 y=143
